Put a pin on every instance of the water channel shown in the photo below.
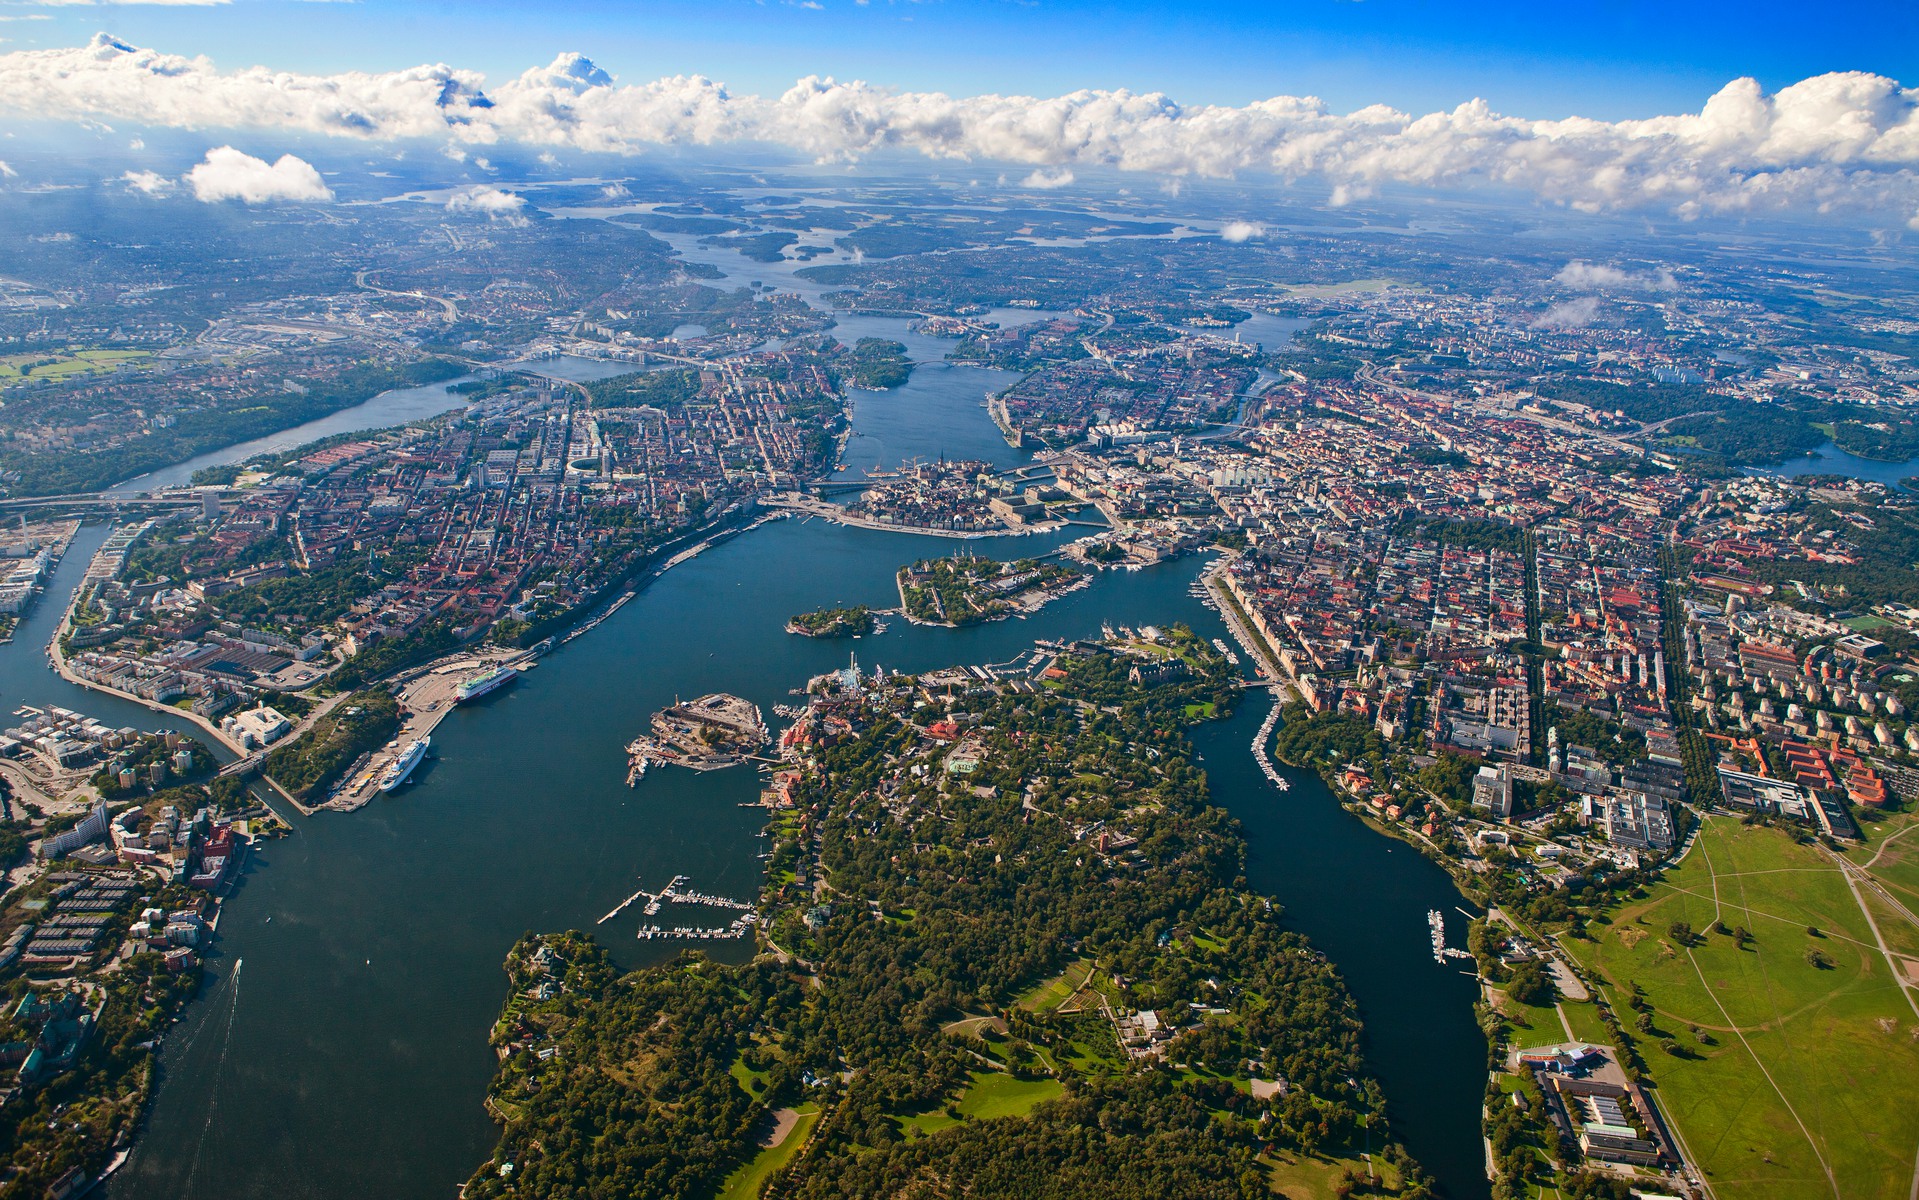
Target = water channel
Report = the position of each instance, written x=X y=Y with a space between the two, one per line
x=396 y=406
x=340 y=1050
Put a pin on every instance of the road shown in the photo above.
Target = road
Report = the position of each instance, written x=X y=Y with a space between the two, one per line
x=451 y=309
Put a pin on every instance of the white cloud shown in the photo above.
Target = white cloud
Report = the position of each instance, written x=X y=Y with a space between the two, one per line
x=495 y=203
x=1582 y=276
x=1572 y=314
x=148 y=183
x=1241 y=231
x=1840 y=143
x=229 y=174
x=1044 y=179
x=6 y=170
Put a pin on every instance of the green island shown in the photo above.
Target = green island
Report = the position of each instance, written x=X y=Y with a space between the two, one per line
x=967 y=589
x=1004 y=947
x=833 y=622
x=878 y=363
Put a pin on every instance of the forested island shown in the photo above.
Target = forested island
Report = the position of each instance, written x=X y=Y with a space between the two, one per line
x=1004 y=946
x=969 y=589
x=878 y=363
x=833 y=622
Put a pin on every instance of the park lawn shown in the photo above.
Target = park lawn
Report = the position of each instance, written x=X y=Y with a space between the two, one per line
x=1895 y=843
x=1839 y=1043
x=1533 y=1025
x=1584 y=1018
x=997 y=1095
x=1049 y=994
x=991 y=1094
x=1294 y=1174
x=745 y=1183
x=1902 y=936
x=63 y=366
x=743 y=1075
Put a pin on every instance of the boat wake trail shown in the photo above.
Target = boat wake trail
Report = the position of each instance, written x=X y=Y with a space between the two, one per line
x=219 y=1069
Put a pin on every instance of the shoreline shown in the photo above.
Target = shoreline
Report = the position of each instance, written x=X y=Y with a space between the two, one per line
x=826 y=510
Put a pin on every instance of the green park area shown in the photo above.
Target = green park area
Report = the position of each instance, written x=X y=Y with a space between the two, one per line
x=65 y=364
x=745 y=1183
x=990 y=1094
x=1782 y=1045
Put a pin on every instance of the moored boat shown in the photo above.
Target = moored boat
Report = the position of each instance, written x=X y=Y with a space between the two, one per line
x=409 y=758
x=480 y=685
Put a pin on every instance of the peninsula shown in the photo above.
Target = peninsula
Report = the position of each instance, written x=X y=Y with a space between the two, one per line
x=1042 y=851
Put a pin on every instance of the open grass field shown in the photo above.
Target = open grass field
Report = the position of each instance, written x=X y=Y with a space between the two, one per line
x=991 y=1094
x=1892 y=856
x=15 y=367
x=745 y=1183
x=1292 y=1174
x=1049 y=994
x=1806 y=1082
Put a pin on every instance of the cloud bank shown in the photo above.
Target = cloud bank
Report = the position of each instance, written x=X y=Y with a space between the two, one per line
x=1843 y=143
x=496 y=203
x=1572 y=314
x=229 y=174
x=1582 y=276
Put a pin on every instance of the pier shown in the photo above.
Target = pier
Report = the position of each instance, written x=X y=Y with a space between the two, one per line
x=1441 y=951
x=622 y=906
x=672 y=893
x=1264 y=759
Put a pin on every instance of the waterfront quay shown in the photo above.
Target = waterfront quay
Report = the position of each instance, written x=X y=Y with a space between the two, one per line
x=427 y=697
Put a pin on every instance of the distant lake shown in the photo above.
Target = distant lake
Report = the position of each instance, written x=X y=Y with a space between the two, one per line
x=1269 y=332
x=583 y=370
x=1831 y=460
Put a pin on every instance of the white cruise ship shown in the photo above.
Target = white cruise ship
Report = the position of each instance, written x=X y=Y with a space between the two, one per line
x=403 y=766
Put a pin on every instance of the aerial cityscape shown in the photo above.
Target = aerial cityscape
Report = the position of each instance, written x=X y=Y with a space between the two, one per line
x=993 y=621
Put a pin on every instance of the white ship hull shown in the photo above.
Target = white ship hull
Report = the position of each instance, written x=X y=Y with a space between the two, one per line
x=476 y=688
x=403 y=766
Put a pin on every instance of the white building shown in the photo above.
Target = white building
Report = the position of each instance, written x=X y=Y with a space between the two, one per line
x=256 y=727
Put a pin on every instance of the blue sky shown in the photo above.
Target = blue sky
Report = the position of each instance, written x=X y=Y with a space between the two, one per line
x=1607 y=59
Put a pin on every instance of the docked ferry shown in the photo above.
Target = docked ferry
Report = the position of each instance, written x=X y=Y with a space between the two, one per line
x=480 y=685
x=403 y=766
